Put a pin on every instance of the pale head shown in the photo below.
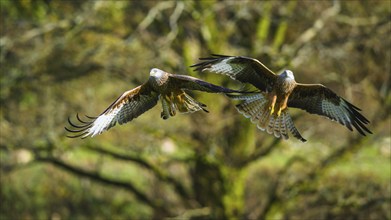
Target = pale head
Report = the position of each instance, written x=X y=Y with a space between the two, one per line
x=287 y=74
x=157 y=73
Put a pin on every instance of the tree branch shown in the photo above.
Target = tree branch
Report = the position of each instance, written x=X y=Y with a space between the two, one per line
x=201 y=213
x=315 y=172
x=273 y=197
x=96 y=177
x=259 y=153
x=293 y=50
x=163 y=176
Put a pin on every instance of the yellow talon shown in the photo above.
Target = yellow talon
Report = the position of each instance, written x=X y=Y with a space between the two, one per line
x=279 y=112
x=271 y=112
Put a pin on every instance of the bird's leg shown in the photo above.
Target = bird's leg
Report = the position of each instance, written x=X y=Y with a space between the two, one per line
x=282 y=105
x=179 y=97
x=279 y=112
x=271 y=109
x=172 y=96
x=273 y=99
x=180 y=101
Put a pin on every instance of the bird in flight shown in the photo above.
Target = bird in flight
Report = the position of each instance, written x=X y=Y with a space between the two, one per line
x=169 y=88
x=268 y=109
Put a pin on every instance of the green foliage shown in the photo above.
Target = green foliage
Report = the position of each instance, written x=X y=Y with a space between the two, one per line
x=62 y=57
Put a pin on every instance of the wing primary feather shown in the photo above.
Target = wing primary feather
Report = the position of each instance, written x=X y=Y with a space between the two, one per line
x=204 y=58
x=358 y=128
x=220 y=55
x=213 y=57
x=80 y=128
x=74 y=125
x=348 y=122
x=205 y=64
x=78 y=118
x=77 y=131
x=78 y=135
x=348 y=118
x=358 y=120
x=70 y=130
x=357 y=114
x=90 y=117
x=351 y=105
x=354 y=111
x=362 y=127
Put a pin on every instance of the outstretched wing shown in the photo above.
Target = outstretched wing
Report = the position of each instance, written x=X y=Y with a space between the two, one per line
x=192 y=83
x=128 y=106
x=318 y=99
x=243 y=69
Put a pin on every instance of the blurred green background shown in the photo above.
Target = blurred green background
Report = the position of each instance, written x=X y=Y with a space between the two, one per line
x=63 y=57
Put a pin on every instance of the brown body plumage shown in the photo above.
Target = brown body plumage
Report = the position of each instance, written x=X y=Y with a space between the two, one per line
x=280 y=93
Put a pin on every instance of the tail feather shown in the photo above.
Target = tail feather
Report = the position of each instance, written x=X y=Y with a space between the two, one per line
x=250 y=108
x=270 y=126
x=283 y=129
x=276 y=128
x=254 y=107
x=264 y=117
x=256 y=116
x=291 y=127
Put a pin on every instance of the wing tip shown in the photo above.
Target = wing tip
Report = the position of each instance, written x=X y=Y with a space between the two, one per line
x=303 y=140
x=79 y=130
x=206 y=62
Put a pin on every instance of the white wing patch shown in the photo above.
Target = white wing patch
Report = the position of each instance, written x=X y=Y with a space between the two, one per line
x=226 y=68
x=104 y=122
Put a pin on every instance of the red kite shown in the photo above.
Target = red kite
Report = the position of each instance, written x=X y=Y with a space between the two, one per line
x=269 y=108
x=169 y=88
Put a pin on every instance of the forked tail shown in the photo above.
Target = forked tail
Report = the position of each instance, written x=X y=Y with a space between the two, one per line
x=255 y=107
x=179 y=101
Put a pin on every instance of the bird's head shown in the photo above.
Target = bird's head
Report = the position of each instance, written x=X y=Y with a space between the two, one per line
x=287 y=74
x=157 y=73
